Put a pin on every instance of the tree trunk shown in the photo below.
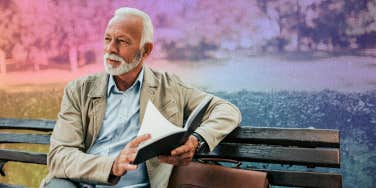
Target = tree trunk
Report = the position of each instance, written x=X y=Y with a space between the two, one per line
x=73 y=58
x=299 y=25
x=3 y=67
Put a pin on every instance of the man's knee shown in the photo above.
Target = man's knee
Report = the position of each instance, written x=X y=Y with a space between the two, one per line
x=60 y=183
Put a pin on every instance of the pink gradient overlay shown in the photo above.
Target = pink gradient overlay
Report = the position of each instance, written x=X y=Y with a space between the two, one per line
x=218 y=45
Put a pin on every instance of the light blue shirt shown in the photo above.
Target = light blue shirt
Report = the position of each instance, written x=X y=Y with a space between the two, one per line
x=120 y=126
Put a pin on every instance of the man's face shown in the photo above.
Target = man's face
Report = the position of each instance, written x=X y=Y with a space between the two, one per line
x=122 y=38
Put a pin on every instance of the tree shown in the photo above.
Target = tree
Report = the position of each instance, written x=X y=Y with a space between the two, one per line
x=361 y=22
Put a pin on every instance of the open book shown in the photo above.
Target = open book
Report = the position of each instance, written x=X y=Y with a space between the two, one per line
x=166 y=136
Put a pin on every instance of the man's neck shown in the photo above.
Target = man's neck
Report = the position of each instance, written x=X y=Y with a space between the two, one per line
x=126 y=80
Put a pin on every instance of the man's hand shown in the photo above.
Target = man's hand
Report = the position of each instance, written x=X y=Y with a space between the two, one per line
x=183 y=154
x=127 y=156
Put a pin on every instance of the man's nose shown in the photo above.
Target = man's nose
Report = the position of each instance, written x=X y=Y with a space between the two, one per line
x=112 y=47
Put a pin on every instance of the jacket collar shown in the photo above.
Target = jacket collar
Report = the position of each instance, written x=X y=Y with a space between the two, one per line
x=99 y=85
x=149 y=78
x=100 y=81
x=111 y=86
x=148 y=89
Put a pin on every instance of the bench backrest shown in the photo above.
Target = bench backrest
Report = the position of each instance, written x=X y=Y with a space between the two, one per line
x=306 y=148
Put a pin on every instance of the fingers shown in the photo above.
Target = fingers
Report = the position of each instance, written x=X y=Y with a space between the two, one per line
x=189 y=146
x=128 y=151
x=127 y=156
x=121 y=166
x=127 y=167
x=123 y=161
x=188 y=155
x=181 y=155
x=135 y=142
x=182 y=159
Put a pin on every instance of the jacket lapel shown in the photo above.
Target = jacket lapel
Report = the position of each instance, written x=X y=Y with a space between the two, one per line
x=97 y=96
x=148 y=91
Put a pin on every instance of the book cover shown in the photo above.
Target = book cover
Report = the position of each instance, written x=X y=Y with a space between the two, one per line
x=165 y=136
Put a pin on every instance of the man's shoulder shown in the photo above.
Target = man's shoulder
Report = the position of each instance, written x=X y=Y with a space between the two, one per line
x=88 y=81
x=168 y=78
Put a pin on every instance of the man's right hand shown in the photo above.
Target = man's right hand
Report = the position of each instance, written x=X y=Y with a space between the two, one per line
x=123 y=161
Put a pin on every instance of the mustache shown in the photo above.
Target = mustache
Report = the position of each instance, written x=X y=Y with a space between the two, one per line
x=113 y=57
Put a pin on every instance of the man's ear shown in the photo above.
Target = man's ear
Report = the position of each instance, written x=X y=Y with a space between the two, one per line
x=148 y=47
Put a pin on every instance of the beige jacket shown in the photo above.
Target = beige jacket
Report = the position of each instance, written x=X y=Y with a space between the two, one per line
x=82 y=112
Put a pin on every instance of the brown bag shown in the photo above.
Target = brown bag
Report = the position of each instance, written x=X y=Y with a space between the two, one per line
x=201 y=175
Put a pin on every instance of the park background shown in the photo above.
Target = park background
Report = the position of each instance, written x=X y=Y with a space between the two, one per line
x=284 y=63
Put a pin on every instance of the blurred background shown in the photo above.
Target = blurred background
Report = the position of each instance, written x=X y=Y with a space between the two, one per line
x=284 y=63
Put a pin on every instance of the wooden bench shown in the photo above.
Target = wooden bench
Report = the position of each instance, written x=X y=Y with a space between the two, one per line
x=307 y=157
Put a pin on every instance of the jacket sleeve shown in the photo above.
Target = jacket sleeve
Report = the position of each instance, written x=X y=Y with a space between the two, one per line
x=66 y=157
x=220 y=119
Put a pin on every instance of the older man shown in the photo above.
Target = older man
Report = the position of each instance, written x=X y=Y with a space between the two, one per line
x=94 y=140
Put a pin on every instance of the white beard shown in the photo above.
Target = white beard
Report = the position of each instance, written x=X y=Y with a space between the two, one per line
x=124 y=66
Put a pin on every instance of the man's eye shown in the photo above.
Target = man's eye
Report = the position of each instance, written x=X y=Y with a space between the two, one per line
x=124 y=41
x=107 y=39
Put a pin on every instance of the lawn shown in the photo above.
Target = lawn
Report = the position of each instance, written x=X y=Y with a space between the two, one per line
x=354 y=114
x=25 y=101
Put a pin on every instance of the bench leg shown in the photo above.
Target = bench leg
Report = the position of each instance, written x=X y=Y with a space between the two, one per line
x=2 y=163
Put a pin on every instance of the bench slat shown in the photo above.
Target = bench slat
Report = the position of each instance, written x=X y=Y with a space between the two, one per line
x=3 y=185
x=323 y=157
x=280 y=155
x=22 y=156
x=285 y=136
x=243 y=134
x=304 y=179
x=24 y=138
x=35 y=124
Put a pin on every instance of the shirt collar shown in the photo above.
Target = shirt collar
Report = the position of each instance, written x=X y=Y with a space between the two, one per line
x=111 y=87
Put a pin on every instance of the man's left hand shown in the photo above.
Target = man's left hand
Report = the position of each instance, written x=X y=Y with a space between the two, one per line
x=182 y=155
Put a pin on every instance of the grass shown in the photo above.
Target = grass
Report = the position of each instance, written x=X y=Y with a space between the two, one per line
x=35 y=102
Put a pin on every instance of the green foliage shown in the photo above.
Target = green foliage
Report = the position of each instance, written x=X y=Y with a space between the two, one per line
x=40 y=102
x=354 y=114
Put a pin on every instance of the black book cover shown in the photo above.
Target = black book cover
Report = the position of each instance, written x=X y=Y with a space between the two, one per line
x=173 y=138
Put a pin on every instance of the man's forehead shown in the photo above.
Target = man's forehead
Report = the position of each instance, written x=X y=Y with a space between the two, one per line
x=125 y=24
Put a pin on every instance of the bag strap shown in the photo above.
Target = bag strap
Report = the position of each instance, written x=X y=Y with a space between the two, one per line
x=217 y=160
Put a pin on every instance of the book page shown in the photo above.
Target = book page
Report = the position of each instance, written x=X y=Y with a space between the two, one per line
x=156 y=124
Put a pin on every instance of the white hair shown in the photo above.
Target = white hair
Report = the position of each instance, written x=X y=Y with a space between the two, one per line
x=147 y=31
